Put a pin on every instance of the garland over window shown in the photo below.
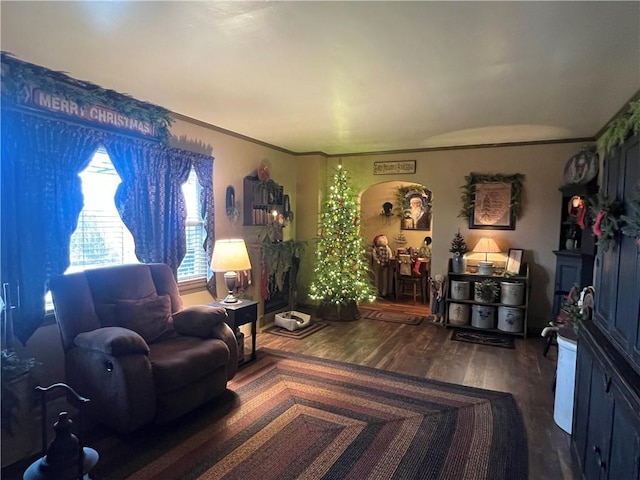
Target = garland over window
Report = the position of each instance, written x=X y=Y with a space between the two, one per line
x=20 y=79
x=469 y=191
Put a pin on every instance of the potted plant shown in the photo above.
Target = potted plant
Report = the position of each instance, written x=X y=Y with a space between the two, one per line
x=458 y=248
x=486 y=291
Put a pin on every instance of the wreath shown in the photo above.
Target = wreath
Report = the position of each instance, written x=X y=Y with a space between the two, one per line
x=469 y=191
x=631 y=227
x=402 y=193
x=605 y=215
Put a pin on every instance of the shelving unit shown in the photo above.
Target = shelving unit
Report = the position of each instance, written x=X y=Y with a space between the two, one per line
x=573 y=266
x=260 y=199
x=523 y=277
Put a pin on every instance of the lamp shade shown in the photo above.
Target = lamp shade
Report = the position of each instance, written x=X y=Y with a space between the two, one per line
x=230 y=255
x=486 y=245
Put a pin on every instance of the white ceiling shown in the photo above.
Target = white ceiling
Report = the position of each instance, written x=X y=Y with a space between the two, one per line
x=345 y=77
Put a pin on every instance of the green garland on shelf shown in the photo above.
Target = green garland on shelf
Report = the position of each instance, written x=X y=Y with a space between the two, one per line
x=19 y=78
x=619 y=128
x=401 y=195
x=631 y=227
x=605 y=215
x=469 y=191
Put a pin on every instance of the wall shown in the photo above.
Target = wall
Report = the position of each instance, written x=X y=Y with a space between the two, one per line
x=443 y=172
x=235 y=158
x=305 y=179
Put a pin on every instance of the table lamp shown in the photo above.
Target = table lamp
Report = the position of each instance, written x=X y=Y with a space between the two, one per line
x=486 y=245
x=230 y=256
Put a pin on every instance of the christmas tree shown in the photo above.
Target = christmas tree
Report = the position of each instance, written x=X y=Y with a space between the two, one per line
x=458 y=245
x=341 y=271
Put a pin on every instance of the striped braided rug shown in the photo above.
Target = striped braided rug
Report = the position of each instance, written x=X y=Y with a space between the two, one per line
x=291 y=416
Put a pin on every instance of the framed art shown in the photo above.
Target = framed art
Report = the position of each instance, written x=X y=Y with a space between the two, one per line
x=514 y=261
x=416 y=210
x=492 y=202
x=492 y=207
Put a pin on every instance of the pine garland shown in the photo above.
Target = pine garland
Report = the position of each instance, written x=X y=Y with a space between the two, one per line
x=19 y=78
x=605 y=216
x=619 y=128
x=631 y=227
x=469 y=191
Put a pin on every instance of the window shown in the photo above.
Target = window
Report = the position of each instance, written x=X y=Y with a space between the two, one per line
x=101 y=237
x=194 y=264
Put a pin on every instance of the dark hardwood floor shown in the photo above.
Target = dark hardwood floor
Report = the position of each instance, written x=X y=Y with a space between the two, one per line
x=427 y=351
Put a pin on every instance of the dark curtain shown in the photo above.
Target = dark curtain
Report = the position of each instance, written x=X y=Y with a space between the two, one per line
x=150 y=198
x=41 y=201
x=203 y=165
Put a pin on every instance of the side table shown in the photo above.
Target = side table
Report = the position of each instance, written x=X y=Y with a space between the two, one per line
x=241 y=313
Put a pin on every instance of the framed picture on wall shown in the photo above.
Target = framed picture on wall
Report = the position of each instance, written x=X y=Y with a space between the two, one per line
x=416 y=210
x=514 y=261
x=492 y=201
x=492 y=207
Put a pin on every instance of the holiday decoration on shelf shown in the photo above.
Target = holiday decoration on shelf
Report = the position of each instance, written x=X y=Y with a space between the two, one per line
x=605 y=214
x=631 y=227
x=458 y=245
x=341 y=270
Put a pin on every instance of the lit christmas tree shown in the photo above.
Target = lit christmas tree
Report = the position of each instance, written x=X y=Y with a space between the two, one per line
x=341 y=272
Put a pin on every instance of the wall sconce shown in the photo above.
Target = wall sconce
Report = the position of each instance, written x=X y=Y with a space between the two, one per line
x=578 y=210
x=231 y=257
x=486 y=245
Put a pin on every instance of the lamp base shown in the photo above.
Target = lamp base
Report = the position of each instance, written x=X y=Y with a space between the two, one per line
x=230 y=281
x=230 y=298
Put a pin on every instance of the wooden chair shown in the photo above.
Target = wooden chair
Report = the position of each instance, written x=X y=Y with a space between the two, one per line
x=410 y=282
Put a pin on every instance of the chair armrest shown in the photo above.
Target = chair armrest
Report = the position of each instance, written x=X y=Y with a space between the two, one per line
x=205 y=321
x=114 y=341
x=199 y=320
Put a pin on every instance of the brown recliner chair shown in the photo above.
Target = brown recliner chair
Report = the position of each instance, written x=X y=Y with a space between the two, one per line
x=132 y=348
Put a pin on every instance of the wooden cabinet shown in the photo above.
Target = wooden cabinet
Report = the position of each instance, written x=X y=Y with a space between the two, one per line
x=606 y=431
x=572 y=268
x=462 y=304
x=617 y=277
x=606 y=417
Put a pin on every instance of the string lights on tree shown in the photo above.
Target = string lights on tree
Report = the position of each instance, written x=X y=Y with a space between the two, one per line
x=341 y=270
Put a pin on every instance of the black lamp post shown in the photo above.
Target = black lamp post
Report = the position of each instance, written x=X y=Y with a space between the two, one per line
x=65 y=458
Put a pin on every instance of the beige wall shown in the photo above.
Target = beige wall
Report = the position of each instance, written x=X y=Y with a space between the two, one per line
x=443 y=172
x=235 y=158
x=306 y=177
